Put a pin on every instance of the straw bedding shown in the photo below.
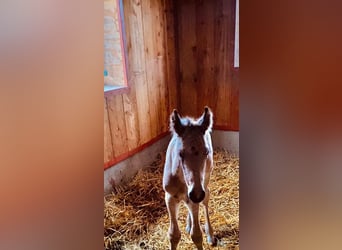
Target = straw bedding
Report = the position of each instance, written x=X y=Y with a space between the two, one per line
x=135 y=216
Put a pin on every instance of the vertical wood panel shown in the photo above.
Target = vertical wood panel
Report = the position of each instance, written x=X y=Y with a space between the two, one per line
x=163 y=95
x=205 y=52
x=130 y=99
x=160 y=45
x=149 y=11
x=116 y=117
x=170 y=53
x=137 y=67
x=218 y=53
x=143 y=105
x=233 y=76
x=108 y=146
x=223 y=101
x=187 y=56
x=235 y=93
x=131 y=119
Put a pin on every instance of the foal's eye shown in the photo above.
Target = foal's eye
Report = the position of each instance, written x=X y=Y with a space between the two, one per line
x=181 y=154
x=206 y=152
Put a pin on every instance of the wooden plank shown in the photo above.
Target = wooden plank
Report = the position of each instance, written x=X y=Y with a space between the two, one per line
x=170 y=43
x=205 y=53
x=163 y=107
x=177 y=51
x=129 y=98
x=233 y=120
x=137 y=67
x=218 y=54
x=116 y=117
x=108 y=146
x=187 y=56
x=229 y=6
x=222 y=110
x=235 y=93
x=150 y=17
x=160 y=42
x=131 y=119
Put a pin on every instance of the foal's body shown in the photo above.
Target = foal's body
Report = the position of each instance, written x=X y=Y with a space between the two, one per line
x=188 y=164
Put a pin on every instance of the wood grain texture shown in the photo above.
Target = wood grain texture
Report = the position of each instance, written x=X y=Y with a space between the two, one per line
x=161 y=67
x=233 y=72
x=205 y=33
x=140 y=114
x=179 y=55
x=116 y=117
x=151 y=15
x=108 y=146
x=171 y=56
x=205 y=51
x=131 y=119
x=137 y=67
x=235 y=93
x=222 y=105
x=187 y=56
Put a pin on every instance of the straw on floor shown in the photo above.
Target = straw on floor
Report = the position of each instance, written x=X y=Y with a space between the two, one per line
x=135 y=216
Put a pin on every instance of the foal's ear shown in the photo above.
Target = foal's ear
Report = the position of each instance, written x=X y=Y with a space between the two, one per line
x=206 y=120
x=176 y=124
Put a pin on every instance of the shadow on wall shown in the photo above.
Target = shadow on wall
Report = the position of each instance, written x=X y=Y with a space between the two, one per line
x=228 y=140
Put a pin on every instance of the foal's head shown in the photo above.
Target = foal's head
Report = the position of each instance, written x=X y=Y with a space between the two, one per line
x=194 y=150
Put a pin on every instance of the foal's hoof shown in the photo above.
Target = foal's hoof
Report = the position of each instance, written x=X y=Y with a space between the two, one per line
x=212 y=241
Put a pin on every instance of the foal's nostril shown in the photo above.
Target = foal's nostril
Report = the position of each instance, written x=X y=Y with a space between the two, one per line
x=197 y=197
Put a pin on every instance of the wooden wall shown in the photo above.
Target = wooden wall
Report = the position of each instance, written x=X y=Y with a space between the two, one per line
x=180 y=55
x=141 y=113
x=205 y=46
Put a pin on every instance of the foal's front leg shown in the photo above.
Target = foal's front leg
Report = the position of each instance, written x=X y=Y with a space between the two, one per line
x=188 y=223
x=195 y=231
x=208 y=228
x=174 y=232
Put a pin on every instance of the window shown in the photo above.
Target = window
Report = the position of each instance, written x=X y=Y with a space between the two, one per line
x=114 y=49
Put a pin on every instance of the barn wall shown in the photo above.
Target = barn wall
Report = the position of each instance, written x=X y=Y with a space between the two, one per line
x=205 y=39
x=140 y=115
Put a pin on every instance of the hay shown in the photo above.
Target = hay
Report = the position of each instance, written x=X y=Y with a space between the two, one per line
x=135 y=216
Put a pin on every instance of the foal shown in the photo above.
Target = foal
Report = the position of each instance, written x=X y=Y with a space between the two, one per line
x=188 y=164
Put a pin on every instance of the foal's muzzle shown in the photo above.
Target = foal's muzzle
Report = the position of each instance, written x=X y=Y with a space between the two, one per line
x=196 y=197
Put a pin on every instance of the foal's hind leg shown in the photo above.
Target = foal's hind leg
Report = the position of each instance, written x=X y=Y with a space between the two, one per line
x=208 y=229
x=174 y=232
